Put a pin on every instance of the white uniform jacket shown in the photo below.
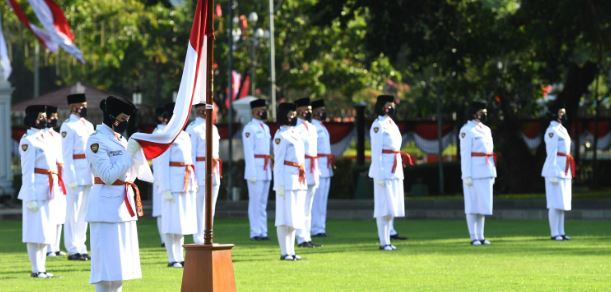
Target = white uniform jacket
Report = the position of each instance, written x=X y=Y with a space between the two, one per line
x=197 y=132
x=476 y=151
x=36 y=155
x=59 y=206
x=175 y=172
x=323 y=145
x=157 y=177
x=257 y=158
x=107 y=154
x=288 y=149
x=558 y=147
x=385 y=135
x=75 y=131
x=307 y=132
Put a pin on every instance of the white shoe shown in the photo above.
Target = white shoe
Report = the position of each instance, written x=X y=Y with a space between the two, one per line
x=175 y=265
x=393 y=247
x=557 y=237
x=287 y=258
x=296 y=257
x=51 y=254
x=485 y=242
x=387 y=247
x=476 y=242
x=42 y=275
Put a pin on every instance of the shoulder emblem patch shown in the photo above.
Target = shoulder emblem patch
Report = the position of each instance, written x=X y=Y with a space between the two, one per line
x=247 y=134
x=277 y=141
x=462 y=135
x=376 y=129
x=24 y=147
x=95 y=147
x=551 y=134
x=64 y=133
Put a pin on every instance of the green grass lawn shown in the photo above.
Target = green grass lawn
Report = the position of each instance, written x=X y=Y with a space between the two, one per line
x=437 y=257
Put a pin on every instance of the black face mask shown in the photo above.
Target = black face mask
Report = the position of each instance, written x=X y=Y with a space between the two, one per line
x=119 y=127
x=564 y=119
x=391 y=112
x=308 y=116
x=483 y=117
x=42 y=124
x=292 y=122
x=52 y=124
x=322 y=116
x=263 y=116
x=83 y=112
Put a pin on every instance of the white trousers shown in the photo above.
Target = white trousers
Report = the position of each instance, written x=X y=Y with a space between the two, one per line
x=384 y=224
x=556 y=222
x=54 y=247
x=475 y=224
x=173 y=245
x=303 y=234
x=319 y=210
x=109 y=286
x=201 y=207
x=161 y=236
x=75 y=230
x=286 y=239
x=38 y=257
x=258 y=192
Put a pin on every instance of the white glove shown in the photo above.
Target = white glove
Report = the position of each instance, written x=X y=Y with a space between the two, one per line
x=32 y=205
x=379 y=182
x=167 y=195
x=553 y=180
x=252 y=180
x=468 y=181
x=280 y=192
x=133 y=146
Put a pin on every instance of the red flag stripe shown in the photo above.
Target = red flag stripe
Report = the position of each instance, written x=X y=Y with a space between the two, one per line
x=59 y=20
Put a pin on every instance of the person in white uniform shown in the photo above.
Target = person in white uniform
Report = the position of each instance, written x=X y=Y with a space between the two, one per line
x=386 y=169
x=256 y=140
x=39 y=182
x=77 y=176
x=176 y=181
x=197 y=133
x=326 y=163
x=307 y=132
x=114 y=201
x=558 y=171
x=162 y=120
x=478 y=167
x=289 y=180
x=58 y=204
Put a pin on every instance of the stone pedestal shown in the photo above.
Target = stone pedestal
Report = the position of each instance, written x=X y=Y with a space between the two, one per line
x=6 y=143
x=208 y=268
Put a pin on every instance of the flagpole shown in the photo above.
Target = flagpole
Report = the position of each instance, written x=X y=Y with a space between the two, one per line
x=208 y=233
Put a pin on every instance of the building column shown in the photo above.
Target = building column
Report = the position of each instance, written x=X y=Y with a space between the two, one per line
x=6 y=143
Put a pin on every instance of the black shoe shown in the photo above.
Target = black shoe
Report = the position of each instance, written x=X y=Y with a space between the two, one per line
x=315 y=244
x=398 y=237
x=76 y=257
x=162 y=244
x=51 y=254
x=263 y=238
x=306 y=244
x=86 y=257
x=182 y=263
x=322 y=234
x=256 y=238
x=42 y=275
x=287 y=258
x=175 y=265
x=60 y=253
x=565 y=237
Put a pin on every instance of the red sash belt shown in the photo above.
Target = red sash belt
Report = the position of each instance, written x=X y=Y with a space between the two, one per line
x=487 y=155
x=300 y=167
x=79 y=156
x=215 y=162
x=139 y=209
x=187 y=167
x=312 y=162
x=405 y=158
x=267 y=159
x=50 y=174
x=330 y=159
x=570 y=162
x=60 y=180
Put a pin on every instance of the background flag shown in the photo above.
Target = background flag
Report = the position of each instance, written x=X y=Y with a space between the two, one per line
x=5 y=63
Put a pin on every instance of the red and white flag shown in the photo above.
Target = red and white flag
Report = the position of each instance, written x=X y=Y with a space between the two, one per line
x=5 y=63
x=42 y=35
x=54 y=21
x=192 y=85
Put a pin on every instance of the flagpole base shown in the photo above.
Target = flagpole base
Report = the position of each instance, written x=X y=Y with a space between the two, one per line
x=208 y=268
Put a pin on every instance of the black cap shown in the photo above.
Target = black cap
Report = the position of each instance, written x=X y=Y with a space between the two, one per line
x=159 y=111
x=385 y=98
x=199 y=104
x=34 y=110
x=478 y=105
x=258 y=103
x=318 y=103
x=51 y=110
x=115 y=105
x=168 y=109
x=283 y=110
x=76 y=98
x=302 y=102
